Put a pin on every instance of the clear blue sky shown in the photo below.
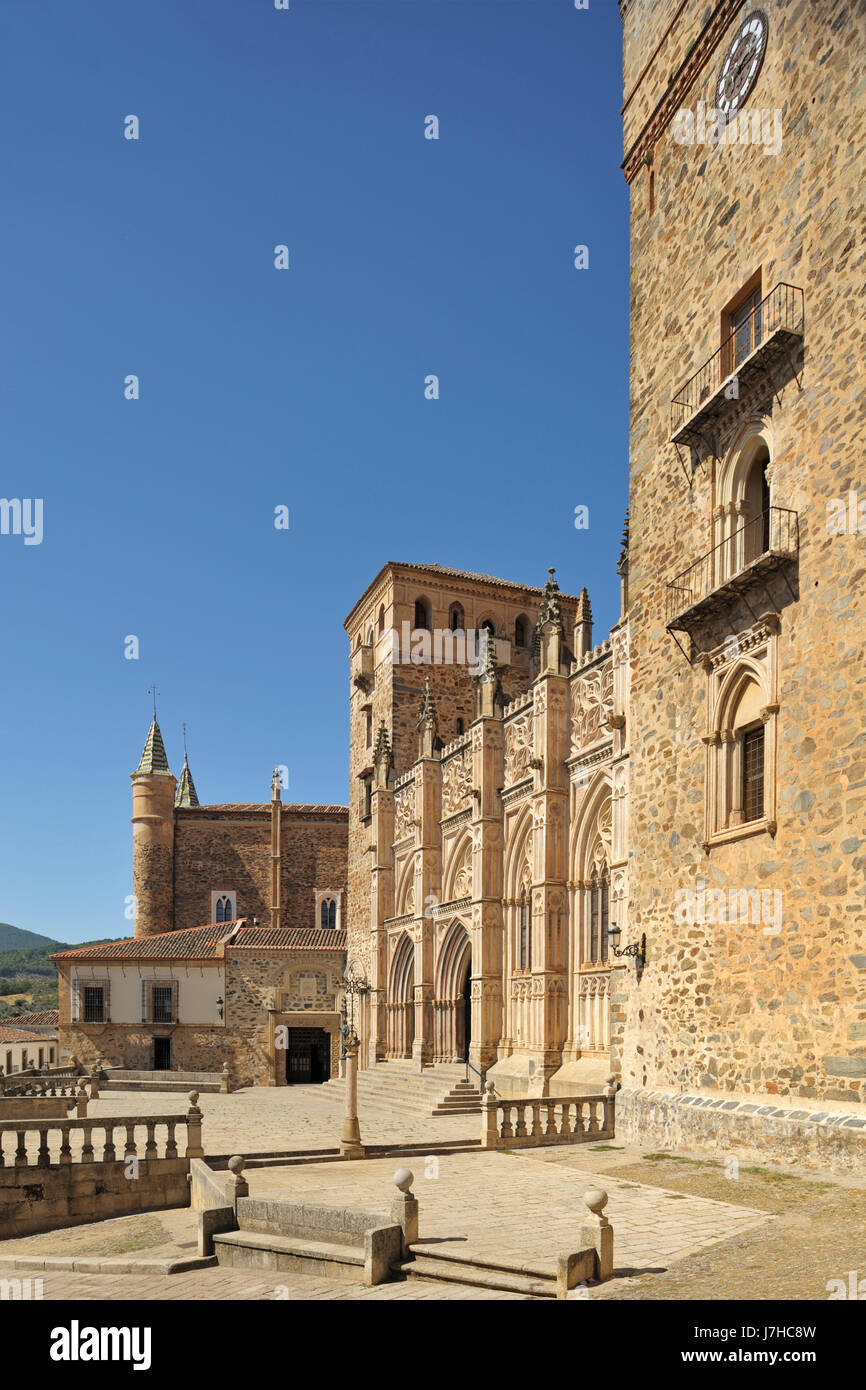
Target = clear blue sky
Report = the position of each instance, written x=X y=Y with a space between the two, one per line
x=302 y=387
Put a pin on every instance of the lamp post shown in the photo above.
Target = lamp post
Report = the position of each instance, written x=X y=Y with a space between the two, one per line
x=636 y=949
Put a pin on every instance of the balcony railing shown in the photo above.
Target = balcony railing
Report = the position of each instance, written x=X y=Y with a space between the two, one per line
x=772 y=326
x=754 y=550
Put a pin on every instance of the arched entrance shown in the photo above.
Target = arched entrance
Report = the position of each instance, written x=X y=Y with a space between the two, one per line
x=401 y=1001
x=452 y=1006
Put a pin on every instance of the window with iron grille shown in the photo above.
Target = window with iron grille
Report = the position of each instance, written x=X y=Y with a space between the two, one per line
x=599 y=914
x=753 y=774
x=524 y=933
x=163 y=1003
x=94 y=1003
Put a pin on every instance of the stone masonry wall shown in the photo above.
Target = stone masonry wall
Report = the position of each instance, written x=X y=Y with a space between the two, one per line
x=730 y=1006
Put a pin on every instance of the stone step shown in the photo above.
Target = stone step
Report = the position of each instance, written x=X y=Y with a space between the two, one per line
x=478 y=1274
x=203 y=1087
x=267 y=1250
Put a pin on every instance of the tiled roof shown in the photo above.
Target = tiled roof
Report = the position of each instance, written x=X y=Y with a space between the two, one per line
x=46 y=1018
x=20 y=1035
x=288 y=939
x=197 y=943
x=186 y=794
x=153 y=758
x=200 y=943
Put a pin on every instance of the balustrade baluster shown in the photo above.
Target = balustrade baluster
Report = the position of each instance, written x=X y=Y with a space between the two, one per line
x=109 y=1153
x=593 y=1125
x=87 y=1142
x=507 y=1131
x=170 y=1144
x=21 y=1151
x=2 y=1159
x=129 y=1148
x=565 y=1123
x=150 y=1149
x=520 y=1131
x=536 y=1119
x=551 y=1118
x=580 y=1118
x=65 y=1146
x=43 y=1157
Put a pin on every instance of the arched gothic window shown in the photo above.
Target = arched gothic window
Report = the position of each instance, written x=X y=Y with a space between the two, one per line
x=381 y=619
x=224 y=909
x=422 y=615
x=524 y=936
x=329 y=914
x=520 y=632
x=456 y=618
x=599 y=914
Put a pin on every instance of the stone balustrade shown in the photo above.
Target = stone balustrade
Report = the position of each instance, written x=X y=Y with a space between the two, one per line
x=512 y=1124
x=49 y=1143
x=30 y=1084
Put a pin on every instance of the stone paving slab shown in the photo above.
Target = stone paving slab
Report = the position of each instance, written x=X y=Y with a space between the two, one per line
x=265 y=1119
x=511 y=1207
x=231 y=1284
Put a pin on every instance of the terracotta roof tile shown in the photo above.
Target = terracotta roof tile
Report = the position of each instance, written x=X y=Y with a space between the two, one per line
x=46 y=1018
x=200 y=943
x=288 y=939
x=20 y=1035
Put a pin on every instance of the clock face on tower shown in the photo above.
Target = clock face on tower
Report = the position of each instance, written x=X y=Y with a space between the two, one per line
x=742 y=63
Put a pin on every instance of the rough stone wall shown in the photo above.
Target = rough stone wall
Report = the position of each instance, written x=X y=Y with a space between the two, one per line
x=219 y=851
x=194 y=1047
x=730 y=1006
x=43 y=1199
x=232 y=850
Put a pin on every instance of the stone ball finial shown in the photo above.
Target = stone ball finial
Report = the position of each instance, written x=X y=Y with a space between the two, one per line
x=236 y=1164
x=596 y=1199
x=193 y=1098
x=225 y=1068
x=403 y=1179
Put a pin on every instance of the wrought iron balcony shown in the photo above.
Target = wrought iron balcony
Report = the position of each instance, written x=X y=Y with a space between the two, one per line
x=737 y=565
x=772 y=328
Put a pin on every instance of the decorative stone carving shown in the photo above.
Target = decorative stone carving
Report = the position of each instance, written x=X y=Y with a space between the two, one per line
x=404 y=813
x=456 y=783
x=518 y=748
x=591 y=706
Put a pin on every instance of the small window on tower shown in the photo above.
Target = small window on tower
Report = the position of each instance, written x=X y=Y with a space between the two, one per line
x=329 y=914
x=223 y=906
x=459 y=727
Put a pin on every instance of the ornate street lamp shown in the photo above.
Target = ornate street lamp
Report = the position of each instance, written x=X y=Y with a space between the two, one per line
x=354 y=983
x=638 y=950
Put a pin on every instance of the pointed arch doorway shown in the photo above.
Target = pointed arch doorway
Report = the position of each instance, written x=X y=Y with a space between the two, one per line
x=453 y=1002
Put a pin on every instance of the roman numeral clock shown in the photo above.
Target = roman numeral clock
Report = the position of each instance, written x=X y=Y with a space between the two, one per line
x=742 y=63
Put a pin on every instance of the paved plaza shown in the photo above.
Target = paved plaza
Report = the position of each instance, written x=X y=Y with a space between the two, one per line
x=681 y=1230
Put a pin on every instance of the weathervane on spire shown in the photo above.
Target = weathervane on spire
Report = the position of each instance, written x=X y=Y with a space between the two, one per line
x=152 y=690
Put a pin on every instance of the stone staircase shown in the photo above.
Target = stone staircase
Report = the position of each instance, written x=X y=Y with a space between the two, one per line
x=478 y=1272
x=399 y=1088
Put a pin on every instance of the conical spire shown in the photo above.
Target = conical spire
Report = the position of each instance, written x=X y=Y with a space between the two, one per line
x=153 y=759
x=186 y=794
x=584 y=609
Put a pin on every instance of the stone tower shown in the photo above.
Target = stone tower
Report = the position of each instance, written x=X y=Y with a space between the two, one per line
x=153 y=797
x=422 y=672
x=743 y=138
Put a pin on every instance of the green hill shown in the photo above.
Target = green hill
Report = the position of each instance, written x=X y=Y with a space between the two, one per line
x=14 y=939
